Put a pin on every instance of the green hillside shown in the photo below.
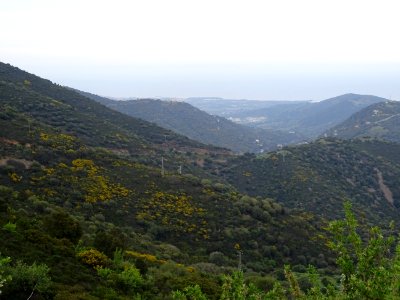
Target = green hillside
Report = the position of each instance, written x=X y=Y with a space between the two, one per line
x=318 y=176
x=380 y=120
x=198 y=125
x=78 y=181
x=25 y=92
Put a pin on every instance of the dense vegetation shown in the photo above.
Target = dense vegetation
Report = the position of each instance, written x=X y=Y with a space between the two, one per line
x=369 y=270
x=315 y=177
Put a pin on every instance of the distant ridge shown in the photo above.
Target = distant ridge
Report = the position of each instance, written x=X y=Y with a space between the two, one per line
x=380 y=120
x=309 y=119
x=228 y=107
x=187 y=120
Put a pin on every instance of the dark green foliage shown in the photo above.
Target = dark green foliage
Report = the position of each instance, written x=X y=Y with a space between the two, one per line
x=28 y=280
x=316 y=177
x=109 y=241
x=369 y=270
x=62 y=225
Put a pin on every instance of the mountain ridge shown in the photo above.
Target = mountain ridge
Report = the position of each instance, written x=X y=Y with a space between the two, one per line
x=309 y=119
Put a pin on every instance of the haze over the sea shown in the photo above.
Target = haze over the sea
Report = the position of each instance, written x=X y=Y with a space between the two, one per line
x=273 y=50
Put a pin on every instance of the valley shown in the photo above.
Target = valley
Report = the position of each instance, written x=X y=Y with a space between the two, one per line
x=198 y=125
x=152 y=199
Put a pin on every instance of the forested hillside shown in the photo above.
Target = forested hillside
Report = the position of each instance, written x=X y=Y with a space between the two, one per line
x=316 y=177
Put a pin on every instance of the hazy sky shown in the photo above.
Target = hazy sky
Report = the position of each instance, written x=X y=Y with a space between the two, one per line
x=278 y=49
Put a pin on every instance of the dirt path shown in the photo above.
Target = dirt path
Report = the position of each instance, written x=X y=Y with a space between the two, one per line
x=384 y=188
x=385 y=119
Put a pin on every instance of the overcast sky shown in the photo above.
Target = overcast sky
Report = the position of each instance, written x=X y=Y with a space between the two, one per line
x=286 y=49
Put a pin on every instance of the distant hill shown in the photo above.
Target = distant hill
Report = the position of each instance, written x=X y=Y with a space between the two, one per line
x=229 y=107
x=198 y=125
x=309 y=119
x=380 y=120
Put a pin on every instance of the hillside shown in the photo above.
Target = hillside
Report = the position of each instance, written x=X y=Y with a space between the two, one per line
x=318 y=176
x=78 y=181
x=25 y=92
x=198 y=125
x=306 y=118
x=380 y=120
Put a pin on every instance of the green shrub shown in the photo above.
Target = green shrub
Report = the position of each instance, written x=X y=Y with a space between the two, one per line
x=129 y=279
x=104 y=272
x=10 y=227
x=28 y=279
x=189 y=293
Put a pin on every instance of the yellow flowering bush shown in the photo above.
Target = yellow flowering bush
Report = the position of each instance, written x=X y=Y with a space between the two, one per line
x=93 y=258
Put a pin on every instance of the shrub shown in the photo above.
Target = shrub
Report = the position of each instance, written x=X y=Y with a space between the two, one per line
x=190 y=292
x=10 y=227
x=62 y=225
x=129 y=279
x=93 y=258
x=28 y=279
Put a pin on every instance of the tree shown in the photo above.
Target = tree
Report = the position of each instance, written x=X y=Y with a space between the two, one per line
x=189 y=293
x=28 y=279
x=369 y=269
